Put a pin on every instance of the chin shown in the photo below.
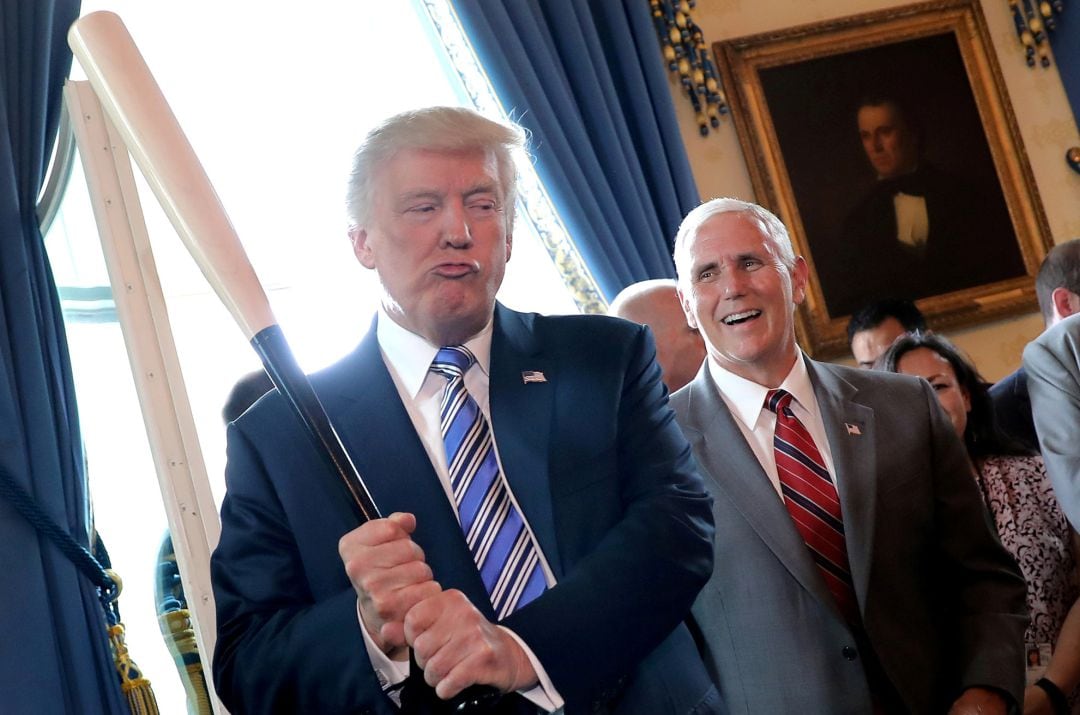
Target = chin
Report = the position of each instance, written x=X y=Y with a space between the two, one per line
x=462 y=322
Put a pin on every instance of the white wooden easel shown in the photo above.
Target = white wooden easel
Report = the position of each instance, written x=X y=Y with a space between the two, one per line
x=144 y=320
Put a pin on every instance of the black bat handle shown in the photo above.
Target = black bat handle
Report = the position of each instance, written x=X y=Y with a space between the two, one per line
x=418 y=698
x=475 y=699
x=280 y=364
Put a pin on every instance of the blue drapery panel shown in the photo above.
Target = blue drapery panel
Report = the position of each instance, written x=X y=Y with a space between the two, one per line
x=1065 y=40
x=586 y=77
x=55 y=658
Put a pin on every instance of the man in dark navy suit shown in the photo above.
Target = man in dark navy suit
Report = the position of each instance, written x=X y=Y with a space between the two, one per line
x=567 y=430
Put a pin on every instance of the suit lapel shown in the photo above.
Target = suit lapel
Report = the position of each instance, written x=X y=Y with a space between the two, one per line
x=849 y=427
x=734 y=468
x=521 y=422
x=367 y=412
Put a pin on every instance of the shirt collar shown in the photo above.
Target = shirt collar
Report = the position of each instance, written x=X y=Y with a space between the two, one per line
x=746 y=398
x=411 y=355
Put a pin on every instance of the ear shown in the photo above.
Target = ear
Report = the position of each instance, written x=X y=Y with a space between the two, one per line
x=509 y=245
x=360 y=246
x=687 y=311
x=1065 y=302
x=967 y=398
x=799 y=275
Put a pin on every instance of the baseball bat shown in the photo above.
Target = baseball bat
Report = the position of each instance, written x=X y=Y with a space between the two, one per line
x=131 y=97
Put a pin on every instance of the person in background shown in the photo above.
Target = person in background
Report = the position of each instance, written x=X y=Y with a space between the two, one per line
x=855 y=569
x=1052 y=363
x=535 y=487
x=679 y=348
x=245 y=393
x=874 y=327
x=1028 y=517
x=1057 y=287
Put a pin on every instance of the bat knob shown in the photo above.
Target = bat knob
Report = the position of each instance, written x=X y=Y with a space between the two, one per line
x=419 y=698
x=475 y=700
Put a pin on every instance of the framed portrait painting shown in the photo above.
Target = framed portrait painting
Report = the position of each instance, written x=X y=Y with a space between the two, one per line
x=887 y=144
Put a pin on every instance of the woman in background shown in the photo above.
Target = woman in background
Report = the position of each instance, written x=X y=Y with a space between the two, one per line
x=1028 y=518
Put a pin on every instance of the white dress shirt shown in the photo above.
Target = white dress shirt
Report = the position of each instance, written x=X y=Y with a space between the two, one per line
x=912 y=220
x=746 y=400
x=408 y=358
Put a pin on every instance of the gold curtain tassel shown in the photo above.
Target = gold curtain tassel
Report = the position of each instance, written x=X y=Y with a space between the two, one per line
x=684 y=51
x=136 y=688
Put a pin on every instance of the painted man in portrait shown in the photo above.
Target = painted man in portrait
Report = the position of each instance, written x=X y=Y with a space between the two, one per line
x=921 y=230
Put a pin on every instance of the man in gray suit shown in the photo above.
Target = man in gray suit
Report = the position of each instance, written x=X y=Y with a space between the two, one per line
x=1052 y=364
x=855 y=569
x=1057 y=286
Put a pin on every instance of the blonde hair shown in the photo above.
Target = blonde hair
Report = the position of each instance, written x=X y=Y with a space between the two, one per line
x=440 y=129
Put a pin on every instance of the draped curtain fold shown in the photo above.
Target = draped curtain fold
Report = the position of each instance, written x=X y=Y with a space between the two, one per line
x=1065 y=40
x=587 y=79
x=55 y=657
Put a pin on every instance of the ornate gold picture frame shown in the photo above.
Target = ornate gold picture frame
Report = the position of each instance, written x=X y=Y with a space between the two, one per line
x=818 y=160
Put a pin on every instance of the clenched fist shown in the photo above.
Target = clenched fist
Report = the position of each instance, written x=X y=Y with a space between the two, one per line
x=388 y=572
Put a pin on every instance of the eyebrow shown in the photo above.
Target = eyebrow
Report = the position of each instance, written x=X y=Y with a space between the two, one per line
x=751 y=254
x=423 y=193
x=434 y=194
x=697 y=270
x=482 y=188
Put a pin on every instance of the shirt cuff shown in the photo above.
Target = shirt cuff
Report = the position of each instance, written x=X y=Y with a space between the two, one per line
x=392 y=672
x=543 y=695
x=389 y=672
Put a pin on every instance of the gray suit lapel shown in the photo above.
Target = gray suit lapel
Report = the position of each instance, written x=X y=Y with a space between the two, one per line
x=849 y=427
x=735 y=471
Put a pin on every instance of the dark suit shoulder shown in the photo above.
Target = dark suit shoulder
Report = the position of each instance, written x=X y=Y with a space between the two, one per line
x=579 y=339
x=359 y=365
x=596 y=328
x=269 y=407
x=1013 y=384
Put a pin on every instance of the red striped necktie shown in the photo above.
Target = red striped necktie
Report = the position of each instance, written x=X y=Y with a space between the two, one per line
x=812 y=501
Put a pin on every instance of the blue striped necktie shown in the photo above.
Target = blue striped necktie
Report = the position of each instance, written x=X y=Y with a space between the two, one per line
x=501 y=546
x=812 y=500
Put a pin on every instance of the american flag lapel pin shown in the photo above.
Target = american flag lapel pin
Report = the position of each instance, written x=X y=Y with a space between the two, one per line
x=853 y=429
x=528 y=376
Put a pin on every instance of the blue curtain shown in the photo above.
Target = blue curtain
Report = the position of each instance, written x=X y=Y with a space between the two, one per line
x=1065 y=40
x=55 y=658
x=586 y=77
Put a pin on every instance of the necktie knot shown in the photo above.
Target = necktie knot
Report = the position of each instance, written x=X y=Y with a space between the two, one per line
x=779 y=401
x=453 y=361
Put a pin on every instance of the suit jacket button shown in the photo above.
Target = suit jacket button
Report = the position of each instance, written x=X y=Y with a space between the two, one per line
x=849 y=653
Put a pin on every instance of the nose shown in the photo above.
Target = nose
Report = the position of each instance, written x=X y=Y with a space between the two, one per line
x=733 y=283
x=456 y=232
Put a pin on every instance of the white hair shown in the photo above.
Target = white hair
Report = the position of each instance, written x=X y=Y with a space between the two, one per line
x=773 y=227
